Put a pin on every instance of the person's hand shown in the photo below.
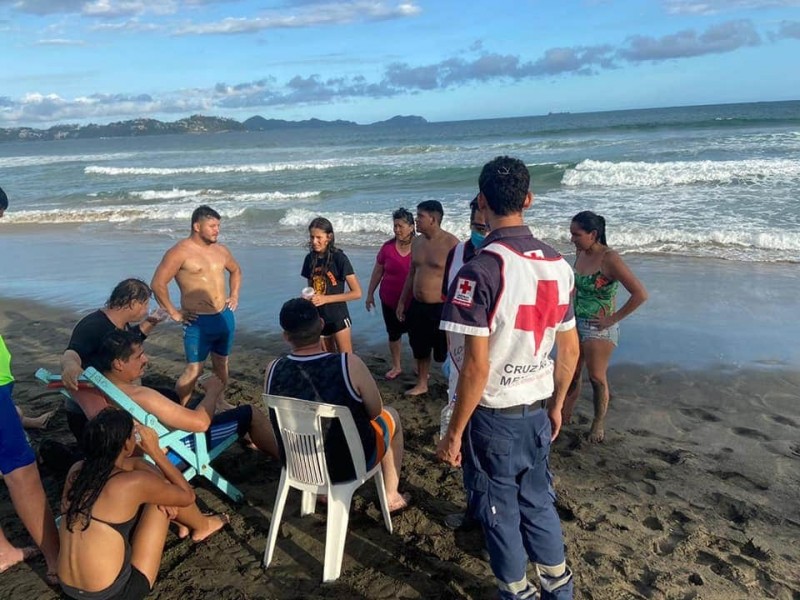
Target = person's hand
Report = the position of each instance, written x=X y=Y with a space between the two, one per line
x=232 y=302
x=448 y=450
x=370 y=303
x=318 y=299
x=400 y=312
x=604 y=322
x=146 y=439
x=183 y=316
x=171 y=512
x=69 y=377
x=555 y=422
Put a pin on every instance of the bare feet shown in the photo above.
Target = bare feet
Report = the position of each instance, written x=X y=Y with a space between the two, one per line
x=16 y=556
x=597 y=433
x=400 y=502
x=39 y=422
x=183 y=530
x=213 y=525
x=393 y=374
x=417 y=390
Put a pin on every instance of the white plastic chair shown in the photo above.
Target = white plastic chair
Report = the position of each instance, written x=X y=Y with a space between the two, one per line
x=300 y=428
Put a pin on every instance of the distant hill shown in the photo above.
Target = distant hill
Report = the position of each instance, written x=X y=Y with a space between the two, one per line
x=195 y=124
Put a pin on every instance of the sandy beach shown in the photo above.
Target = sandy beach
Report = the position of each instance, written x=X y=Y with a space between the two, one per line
x=694 y=494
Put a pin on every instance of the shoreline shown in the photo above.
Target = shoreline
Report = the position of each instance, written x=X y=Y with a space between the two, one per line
x=692 y=495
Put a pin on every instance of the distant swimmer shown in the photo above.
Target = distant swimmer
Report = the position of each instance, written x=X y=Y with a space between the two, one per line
x=327 y=269
x=598 y=272
x=198 y=265
x=424 y=286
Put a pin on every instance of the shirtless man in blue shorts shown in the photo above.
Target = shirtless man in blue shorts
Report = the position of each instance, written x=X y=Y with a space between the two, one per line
x=198 y=265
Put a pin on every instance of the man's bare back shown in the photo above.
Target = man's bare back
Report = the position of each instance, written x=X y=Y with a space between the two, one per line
x=429 y=257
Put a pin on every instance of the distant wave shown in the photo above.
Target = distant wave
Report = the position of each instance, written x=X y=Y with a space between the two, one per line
x=215 y=169
x=10 y=162
x=648 y=174
x=176 y=194
x=229 y=206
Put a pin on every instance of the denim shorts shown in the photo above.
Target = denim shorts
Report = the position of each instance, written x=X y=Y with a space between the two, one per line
x=588 y=330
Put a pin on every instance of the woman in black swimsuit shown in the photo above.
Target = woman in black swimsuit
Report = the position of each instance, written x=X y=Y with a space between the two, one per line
x=115 y=511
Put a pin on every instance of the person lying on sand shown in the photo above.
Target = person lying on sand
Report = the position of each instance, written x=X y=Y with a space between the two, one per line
x=310 y=373
x=116 y=511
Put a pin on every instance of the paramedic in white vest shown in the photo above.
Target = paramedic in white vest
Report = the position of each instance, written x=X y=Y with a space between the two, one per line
x=511 y=303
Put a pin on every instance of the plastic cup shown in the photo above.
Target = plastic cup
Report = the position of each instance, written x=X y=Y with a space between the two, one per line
x=306 y=293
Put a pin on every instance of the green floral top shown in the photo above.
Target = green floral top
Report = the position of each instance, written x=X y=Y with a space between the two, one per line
x=594 y=295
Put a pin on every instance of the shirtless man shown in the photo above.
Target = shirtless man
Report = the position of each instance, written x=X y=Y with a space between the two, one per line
x=122 y=360
x=428 y=257
x=198 y=265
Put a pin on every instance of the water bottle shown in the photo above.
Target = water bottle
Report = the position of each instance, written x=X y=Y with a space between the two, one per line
x=446 y=415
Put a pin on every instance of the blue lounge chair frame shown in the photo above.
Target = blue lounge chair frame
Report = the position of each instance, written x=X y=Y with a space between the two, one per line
x=198 y=459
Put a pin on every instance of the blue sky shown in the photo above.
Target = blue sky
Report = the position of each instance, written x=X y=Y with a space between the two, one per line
x=367 y=60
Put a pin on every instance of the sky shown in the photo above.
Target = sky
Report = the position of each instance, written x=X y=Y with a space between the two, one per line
x=79 y=61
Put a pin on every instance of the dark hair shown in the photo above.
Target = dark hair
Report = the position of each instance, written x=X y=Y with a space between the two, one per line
x=3 y=200
x=117 y=345
x=299 y=318
x=127 y=292
x=103 y=440
x=204 y=212
x=505 y=183
x=327 y=227
x=589 y=222
x=404 y=214
x=432 y=206
x=473 y=208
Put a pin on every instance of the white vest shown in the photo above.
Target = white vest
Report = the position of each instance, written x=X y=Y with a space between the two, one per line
x=522 y=332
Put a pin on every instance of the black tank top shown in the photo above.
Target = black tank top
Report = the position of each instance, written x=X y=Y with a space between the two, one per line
x=293 y=376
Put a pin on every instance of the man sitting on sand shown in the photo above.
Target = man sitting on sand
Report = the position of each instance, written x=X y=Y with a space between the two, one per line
x=126 y=309
x=310 y=373
x=122 y=360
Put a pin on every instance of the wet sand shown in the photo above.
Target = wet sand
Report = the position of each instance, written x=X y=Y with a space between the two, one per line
x=693 y=495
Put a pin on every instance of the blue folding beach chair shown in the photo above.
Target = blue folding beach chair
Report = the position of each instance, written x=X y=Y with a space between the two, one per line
x=194 y=456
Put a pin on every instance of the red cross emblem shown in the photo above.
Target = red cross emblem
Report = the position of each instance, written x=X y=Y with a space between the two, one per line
x=545 y=314
x=465 y=289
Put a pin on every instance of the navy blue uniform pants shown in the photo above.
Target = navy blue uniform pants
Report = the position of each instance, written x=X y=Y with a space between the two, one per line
x=510 y=491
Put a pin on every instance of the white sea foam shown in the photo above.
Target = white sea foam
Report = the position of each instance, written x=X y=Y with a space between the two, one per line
x=32 y=161
x=648 y=174
x=215 y=169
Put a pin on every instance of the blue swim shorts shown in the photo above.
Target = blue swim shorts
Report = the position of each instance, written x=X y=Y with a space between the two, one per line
x=234 y=421
x=15 y=451
x=588 y=330
x=209 y=333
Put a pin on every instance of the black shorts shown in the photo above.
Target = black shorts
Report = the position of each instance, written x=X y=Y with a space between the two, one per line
x=335 y=326
x=394 y=328
x=424 y=335
x=137 y=587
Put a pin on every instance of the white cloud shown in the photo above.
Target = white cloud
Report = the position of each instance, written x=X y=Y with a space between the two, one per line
x=710 y=7
x=309 y=15
x=59 y=42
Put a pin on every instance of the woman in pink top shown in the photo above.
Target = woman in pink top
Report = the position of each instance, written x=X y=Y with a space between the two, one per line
x=391 y=269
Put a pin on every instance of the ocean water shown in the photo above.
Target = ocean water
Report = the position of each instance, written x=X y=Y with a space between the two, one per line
x=695 y=196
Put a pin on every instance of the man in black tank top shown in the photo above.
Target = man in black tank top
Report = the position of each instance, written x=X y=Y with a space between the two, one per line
x=310 y=373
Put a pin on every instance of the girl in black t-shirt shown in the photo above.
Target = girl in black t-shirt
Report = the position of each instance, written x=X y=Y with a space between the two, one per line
x=327 y=269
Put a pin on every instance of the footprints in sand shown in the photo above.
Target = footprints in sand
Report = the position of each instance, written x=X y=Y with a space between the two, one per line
x=740 y=481
x=748 y=432
x=701 y=414
x=781 y=420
